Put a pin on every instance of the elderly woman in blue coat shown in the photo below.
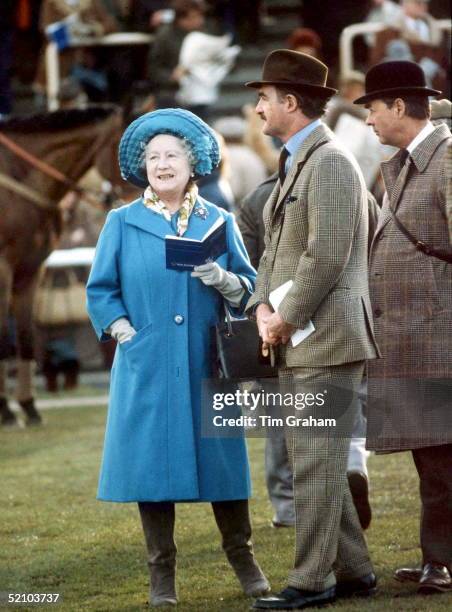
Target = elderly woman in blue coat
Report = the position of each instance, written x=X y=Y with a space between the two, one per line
x=154 y=453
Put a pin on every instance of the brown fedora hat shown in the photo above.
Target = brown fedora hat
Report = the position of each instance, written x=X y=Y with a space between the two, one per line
x=286 y=68
x=395 y=79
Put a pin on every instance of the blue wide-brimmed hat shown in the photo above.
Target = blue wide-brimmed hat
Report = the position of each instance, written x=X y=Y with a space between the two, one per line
x=177 y=122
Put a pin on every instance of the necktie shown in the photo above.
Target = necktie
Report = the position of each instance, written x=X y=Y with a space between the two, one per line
x=282 y=164
x=404 y=153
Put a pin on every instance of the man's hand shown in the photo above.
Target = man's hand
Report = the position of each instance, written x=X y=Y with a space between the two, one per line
x=263 y=314
x=271 y=336
x=278 y=328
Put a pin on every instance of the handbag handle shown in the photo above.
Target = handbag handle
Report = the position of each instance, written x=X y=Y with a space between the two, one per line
x=230 y=331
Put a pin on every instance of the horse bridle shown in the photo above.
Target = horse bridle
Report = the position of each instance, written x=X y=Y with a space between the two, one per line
x=52 y=172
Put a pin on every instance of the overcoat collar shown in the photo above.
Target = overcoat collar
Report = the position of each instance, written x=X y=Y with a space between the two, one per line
x=320 y=135
x=395 y=179
x=420 y=157
x=149 y=221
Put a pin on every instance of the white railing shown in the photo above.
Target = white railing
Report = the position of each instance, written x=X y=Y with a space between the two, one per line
x=346 y=60
x=52 y=58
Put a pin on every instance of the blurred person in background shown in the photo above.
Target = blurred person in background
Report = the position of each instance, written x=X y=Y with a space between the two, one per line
x=154 y=453
x=204 y=61
x=215 y=187
x=347 y=120
x=351 y=86
x=164 y=72
x=91 y=19
x=92 y=15
x=306 y=41
x=415 y=35
x=382 y=11
x=416 y=23
x=259 y=142
x=246 y=169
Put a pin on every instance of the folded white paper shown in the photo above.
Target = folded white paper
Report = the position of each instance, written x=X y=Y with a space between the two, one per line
x=276 y=297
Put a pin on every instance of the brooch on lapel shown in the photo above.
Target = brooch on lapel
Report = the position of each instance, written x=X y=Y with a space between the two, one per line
x=201 y=212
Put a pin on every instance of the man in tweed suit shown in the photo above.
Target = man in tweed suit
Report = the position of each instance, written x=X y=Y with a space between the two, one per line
x=278 y=473
x=316 y=221
x=411 y=291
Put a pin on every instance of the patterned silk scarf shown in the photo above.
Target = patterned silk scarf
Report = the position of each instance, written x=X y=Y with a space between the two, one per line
x=152 y=201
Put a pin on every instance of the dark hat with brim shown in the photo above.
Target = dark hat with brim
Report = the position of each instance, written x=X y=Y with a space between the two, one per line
x=177 y=122
x=395 y=79
x=295 y=70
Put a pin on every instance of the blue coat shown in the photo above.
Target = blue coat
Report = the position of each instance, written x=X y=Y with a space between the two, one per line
x=153 y=447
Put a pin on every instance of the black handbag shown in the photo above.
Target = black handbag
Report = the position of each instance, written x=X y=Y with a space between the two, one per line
x=238 y=350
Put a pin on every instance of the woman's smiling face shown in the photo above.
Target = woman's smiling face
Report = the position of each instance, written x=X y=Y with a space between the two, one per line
x=167 y=165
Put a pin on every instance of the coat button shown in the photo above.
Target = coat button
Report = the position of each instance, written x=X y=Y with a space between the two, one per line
x=178 y=319
x=378 y=312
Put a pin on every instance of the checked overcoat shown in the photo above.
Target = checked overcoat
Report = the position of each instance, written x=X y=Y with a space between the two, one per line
x=154 y=448
x=410 y=388
x=318 y=238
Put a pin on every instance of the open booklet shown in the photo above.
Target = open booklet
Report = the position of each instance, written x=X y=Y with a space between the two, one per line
x=186 y=253
x=276 y=297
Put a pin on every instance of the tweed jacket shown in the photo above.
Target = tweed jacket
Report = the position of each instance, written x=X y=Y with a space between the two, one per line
x=317 y=235
x=411 y=294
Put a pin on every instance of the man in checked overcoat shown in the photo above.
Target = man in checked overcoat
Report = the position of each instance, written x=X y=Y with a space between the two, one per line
x=316 y=224
x=410 y=388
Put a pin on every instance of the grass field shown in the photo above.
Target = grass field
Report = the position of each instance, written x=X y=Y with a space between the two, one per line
x=56 y=538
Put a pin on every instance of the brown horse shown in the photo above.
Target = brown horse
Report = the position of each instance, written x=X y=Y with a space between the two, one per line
x=30 y=224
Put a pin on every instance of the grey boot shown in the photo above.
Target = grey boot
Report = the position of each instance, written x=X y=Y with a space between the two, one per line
x=158 y=526
x=233 y=521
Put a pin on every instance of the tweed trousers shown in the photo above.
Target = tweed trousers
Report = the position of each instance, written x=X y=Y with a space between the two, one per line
x=329 y=542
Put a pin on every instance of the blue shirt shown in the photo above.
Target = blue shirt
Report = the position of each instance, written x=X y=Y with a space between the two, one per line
x=295 y=141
